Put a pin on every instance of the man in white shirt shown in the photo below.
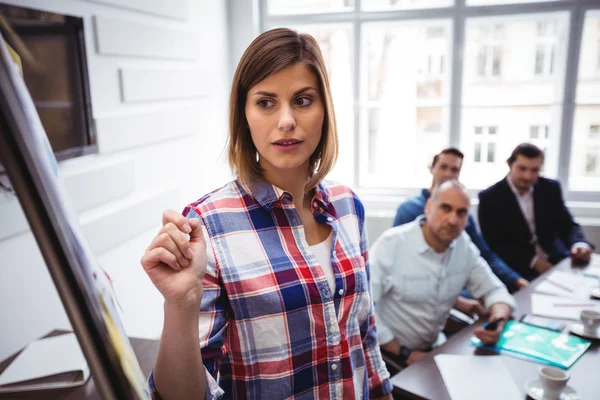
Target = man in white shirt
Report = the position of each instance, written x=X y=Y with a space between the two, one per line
x=524 y=218
x=418 y=271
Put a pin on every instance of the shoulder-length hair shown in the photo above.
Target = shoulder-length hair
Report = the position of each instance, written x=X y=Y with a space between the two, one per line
x=269 y=53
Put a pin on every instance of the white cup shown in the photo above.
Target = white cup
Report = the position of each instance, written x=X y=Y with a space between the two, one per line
x=590 y=320
x=553 y=381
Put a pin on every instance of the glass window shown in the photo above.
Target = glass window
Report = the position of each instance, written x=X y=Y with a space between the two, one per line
x=387 y=5
x=404 y=106
x=505 y=102
x=583 y=172
x=492 y=2
x=477 y=153
x=286 y=7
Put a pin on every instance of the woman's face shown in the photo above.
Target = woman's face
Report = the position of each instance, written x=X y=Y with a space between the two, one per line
x=285 y=114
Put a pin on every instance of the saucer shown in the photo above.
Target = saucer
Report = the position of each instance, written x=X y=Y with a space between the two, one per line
x=535 y=391
x=577 y=329
x=595 y=292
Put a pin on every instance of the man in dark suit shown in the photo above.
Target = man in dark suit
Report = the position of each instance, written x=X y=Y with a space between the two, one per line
x=524 y=218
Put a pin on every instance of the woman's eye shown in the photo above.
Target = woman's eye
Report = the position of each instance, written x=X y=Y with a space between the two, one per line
x=265 y=103
x=303 y=101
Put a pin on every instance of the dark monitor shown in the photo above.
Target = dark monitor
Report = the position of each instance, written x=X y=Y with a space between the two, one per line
x=84 y=289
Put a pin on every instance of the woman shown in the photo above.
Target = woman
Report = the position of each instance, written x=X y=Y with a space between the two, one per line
x=276 y=260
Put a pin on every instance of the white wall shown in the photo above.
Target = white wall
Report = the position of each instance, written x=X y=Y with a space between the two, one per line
x=159 y=86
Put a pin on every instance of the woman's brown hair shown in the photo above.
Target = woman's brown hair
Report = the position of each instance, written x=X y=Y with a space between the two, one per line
x=269 y=53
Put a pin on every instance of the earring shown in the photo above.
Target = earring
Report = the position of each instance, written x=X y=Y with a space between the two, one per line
x=257 y=157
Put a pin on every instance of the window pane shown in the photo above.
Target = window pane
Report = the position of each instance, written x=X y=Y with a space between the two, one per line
x=404 y=107
x=585 y=169
x=505 y=56
x=335 y=41
x=502 y=129
x=489 y=2
x=286 y=7
x=387 y=5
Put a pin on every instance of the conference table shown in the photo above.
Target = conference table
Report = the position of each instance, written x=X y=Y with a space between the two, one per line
x=422 y=380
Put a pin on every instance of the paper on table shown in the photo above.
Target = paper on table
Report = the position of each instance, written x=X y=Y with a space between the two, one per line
x=47 y=357
x=567 y=284
x=593 y=271
x=561 y=307
x=476 y=377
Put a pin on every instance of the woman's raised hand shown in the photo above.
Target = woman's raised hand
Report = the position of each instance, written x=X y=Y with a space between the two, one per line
x=175 y=264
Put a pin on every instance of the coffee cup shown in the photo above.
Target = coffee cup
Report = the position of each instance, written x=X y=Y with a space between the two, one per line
x=591 y=321
x=553 y=381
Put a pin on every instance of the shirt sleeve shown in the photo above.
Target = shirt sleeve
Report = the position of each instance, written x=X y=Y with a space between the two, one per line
x=483 y=283
x=213 y=322
x=379 y=377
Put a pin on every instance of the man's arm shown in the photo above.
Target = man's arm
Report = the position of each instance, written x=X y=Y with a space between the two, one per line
x=505 y=273
x=407 y=212
x=568 y=230
x=519 y=256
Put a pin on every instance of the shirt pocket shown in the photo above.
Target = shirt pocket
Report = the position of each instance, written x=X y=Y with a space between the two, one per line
x=414 y=288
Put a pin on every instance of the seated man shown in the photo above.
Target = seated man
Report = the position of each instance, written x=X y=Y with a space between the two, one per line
x=524 y=218
x=418 y=270
x=446 y=165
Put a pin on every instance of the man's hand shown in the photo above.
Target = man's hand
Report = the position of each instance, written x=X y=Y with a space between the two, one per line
x=541 y=265
x=415 y=356
x=392 y=347
x=470 y=307
x=497 y=311
x=521 y=283
x=581 y=255
x=388 y=397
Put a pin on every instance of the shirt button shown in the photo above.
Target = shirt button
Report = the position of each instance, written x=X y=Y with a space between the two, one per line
x=341 y=292
x=334 y=367
x=334 y=328
x=329 y=219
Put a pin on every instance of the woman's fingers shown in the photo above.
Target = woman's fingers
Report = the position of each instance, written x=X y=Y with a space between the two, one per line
x=181 y=222
x=158 y=255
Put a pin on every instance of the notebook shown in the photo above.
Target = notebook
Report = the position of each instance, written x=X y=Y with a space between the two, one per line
x=557 y=349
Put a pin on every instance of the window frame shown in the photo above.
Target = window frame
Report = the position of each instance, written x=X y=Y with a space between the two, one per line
x=459 y=13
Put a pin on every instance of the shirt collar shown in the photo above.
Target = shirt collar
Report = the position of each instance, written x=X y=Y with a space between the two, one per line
x=419 y=239
x=515 y=190
x=267 y=195
x=425 y=193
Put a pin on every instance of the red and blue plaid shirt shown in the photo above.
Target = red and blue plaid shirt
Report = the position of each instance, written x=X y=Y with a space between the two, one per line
x=270 y=327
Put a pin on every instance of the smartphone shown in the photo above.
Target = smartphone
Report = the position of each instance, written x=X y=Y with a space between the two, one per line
x=543 y=322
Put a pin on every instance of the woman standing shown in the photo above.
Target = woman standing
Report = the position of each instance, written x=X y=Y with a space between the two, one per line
x=276 y=261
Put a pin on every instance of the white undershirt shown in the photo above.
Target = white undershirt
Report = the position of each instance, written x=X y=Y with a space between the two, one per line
x=322 y=252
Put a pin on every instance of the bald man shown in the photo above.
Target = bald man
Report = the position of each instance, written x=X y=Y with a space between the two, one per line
x=418 y=271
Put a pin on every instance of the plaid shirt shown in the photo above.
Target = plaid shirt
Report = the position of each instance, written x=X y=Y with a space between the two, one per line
x=270 y=327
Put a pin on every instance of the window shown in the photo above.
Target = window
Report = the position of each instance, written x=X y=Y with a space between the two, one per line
x=489 y=44
x=58 y=80
x=412 y=89
x=545 y=48
x=389 y=5
x=508 y=109
x=485 y=139
x=287 y=7
x=405 y=100
x=584 y=170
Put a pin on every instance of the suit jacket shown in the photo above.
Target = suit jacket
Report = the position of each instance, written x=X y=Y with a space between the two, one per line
x=505 y=229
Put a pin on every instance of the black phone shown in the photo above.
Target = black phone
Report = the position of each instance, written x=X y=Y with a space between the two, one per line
x=492 y=326
x=543 y=322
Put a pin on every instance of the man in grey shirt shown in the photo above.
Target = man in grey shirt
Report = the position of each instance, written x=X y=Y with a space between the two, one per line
x=418 y=271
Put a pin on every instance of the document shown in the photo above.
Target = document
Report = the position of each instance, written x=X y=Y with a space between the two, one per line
x=561 y=307
x=567 y=284
x=476 y=377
